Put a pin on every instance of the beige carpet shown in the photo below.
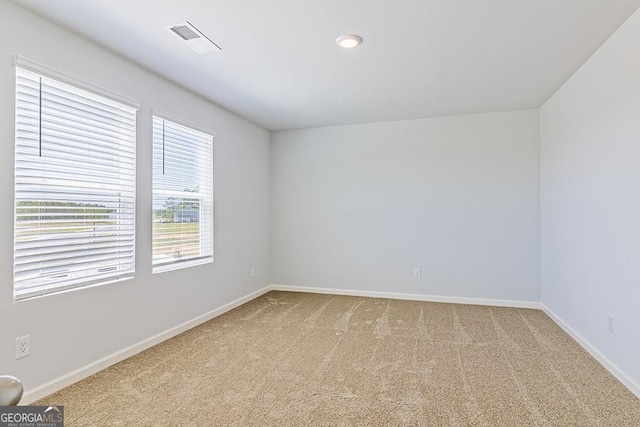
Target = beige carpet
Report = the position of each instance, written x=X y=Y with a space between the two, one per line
x=305 y=359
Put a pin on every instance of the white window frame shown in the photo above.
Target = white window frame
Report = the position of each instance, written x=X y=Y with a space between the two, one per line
x=206 y=198
x=26 y=285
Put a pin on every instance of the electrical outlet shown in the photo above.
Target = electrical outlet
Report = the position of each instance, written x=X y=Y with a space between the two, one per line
x=23 y=346
x=416 y=273
x=612 y=324
x=253 y=272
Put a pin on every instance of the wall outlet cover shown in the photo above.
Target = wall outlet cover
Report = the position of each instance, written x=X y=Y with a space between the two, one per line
x=23 y=346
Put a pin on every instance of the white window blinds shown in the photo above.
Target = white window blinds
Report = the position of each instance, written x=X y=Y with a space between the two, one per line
x=74 y=187
x=182 y=196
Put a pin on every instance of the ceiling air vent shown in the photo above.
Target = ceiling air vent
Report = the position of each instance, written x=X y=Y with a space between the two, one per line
x=193 y=37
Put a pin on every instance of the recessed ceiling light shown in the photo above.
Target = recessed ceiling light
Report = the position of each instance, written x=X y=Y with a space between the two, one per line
x=349 y=41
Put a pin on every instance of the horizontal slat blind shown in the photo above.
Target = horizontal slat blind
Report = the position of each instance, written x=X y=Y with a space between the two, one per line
x=74 y=187
x=182 y=195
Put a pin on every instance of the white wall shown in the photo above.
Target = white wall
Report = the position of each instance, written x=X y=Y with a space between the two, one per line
x=358 y=207
x=590 y=202
x=70 y=330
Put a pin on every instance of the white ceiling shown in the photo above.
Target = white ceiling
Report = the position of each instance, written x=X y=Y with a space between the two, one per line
x=280 y=67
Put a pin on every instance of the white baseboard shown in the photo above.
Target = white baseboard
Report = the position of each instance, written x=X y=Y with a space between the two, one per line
x=59 y=383
x=411 y=297
x=625 y=379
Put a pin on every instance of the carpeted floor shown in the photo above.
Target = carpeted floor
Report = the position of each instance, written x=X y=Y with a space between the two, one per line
x=291 y=359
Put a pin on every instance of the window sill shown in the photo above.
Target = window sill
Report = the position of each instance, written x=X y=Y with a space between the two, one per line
x=180 y=265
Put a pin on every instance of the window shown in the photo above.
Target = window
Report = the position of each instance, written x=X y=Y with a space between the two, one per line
x=182 y=196
x=74 y=210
